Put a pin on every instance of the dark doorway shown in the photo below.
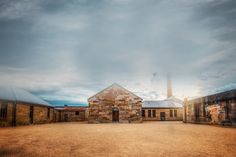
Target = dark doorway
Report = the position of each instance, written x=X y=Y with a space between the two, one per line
x=197 y=111
x=163 y=116
x=65 y=117
x=115 y=115
x=31 y=114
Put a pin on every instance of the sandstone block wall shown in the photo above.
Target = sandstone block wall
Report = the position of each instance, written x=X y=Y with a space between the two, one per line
x=8 y=120
x=102 y=104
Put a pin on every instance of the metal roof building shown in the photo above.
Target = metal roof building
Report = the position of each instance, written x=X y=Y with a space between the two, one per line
x=20 y=95
x=171 y=102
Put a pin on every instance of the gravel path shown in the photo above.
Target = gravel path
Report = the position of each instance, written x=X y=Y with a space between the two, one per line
x=159 y=139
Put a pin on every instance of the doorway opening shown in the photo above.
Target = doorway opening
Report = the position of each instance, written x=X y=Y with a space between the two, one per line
x=31 y=114
x=115 y=115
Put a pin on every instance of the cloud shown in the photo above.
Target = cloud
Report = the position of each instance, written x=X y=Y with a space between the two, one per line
x=73 y=49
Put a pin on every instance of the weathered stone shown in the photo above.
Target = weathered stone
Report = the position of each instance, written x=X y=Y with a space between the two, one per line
x=114 y=100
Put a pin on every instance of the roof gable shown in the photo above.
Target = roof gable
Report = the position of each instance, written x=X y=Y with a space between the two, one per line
x=113 y=90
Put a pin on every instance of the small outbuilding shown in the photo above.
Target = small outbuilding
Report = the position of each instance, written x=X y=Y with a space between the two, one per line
x=115 y=104
x=170 y=109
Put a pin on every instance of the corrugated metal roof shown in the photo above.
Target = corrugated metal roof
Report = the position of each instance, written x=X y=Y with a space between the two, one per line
x=161 y=104
x=20 y=95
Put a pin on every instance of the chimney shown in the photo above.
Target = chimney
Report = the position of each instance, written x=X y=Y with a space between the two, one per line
x=169 y=86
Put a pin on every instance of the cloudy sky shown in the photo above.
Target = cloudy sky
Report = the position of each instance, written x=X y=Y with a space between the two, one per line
x=71 y=49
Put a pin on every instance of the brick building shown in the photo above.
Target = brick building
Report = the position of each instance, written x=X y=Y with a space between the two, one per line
x=19 y=107
x=218 y=108
x=114 y=104
x=170 y=109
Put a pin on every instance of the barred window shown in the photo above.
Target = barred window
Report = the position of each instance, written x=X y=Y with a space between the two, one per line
x=171 y=113
x=3 y=110
x=77 y=113
x=153 y=113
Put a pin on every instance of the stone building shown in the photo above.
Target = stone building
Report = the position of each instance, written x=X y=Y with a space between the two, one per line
x=170 y=109
x=218 y=108
x=19 y=107
x=115 y=104
x=72 y=113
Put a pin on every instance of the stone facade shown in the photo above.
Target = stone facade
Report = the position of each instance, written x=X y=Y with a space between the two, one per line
x=39 y=114
x=162 y=114
x=114 y=104
x=214 y=109
x=72 y=114
x=8 y=120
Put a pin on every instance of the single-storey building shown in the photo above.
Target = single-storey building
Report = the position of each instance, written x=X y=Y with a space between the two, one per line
x=218 y=108
x=170 y=109
x=19 y=107
x=115 y=104
x=72 y=113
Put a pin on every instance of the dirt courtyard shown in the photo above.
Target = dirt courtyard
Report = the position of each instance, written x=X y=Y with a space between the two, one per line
x=140 y=140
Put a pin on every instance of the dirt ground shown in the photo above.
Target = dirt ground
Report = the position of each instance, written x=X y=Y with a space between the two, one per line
x=159 y=139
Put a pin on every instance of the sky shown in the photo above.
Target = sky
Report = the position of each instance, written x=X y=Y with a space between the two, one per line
x=71 y=49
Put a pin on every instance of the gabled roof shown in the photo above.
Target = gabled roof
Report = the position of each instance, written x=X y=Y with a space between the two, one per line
x=161 y=104
x=114 y=85
x=20 y=95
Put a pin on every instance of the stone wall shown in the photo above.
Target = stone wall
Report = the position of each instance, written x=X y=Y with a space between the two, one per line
x=8 y=120
x=167 y=114
x=41 y=115
x=199 y=112
x=70 y=116
x=114 y=97
x=22 y=114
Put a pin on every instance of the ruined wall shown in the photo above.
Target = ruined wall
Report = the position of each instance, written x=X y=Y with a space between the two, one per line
x=179 y=116
x=214 y=113
x=102 y=104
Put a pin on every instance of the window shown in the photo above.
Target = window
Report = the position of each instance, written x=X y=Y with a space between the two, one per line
x=48 y=112
x=149 y=113
x=153 y=113
x=77 y=113
x=171 y=113
x=143 y=113
x=3 y=111
x=175 y=113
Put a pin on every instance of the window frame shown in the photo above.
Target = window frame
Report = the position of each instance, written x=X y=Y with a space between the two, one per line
x=171 y=113
x=77 y=113
x=149 y=113
x=154 y=113
x=3 y=110
x=175 y=113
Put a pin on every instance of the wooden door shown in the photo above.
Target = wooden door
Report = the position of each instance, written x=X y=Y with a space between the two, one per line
x=162 y=116
x=115 y=116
